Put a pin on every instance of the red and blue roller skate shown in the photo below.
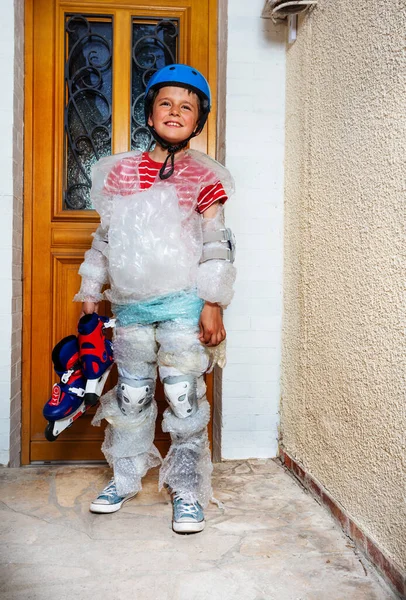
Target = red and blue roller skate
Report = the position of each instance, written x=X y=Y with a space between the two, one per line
x=96 y=354
x=66 y=403
x=83 y=364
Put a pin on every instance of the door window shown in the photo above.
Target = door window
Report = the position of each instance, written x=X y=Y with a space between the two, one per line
x=88 y=102
x=155 y=43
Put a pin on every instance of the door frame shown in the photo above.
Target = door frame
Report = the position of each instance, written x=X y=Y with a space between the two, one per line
x=27 y=341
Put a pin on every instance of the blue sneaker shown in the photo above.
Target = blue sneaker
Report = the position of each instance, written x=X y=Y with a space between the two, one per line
x=108 y=501
x=187 y=517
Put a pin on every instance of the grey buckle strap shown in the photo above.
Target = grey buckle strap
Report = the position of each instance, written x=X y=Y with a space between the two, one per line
x=221 y=235
x=227 y=249
x=100 y=245
x=217 y=254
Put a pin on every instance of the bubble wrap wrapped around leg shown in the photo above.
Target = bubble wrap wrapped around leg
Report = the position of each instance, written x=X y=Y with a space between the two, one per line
x=128 y=443
x=187 y=467
x=135 y=350
x=215 y=278
x=180 y=348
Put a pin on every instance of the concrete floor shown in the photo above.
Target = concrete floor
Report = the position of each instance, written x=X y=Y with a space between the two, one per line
x=272 y=541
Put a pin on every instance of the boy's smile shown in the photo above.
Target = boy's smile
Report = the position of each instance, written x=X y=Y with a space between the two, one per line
x=174 y=114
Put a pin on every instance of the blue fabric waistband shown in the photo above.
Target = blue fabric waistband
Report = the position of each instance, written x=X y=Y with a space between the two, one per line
x=180 y=305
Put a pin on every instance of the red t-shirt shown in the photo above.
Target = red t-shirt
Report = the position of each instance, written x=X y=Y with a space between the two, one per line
x=121 y=178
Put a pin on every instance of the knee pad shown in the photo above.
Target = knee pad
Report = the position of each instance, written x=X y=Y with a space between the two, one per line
x=134 y=395
x=181 y=393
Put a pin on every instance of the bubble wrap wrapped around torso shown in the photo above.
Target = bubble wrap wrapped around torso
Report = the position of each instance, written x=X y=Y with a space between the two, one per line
x=155 y=235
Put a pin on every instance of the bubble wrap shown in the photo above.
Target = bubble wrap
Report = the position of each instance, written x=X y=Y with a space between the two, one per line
x=217 y=356
x=212 y=171
x=102 y=194
x=180 y=305
x=149 y=255
x=187 y=467
x=93 y=272
x=170 y=344
x=215 y=278
x=215 y=282
x=180 y=348
x=135 y=351
x=128 y=442
x=155 y=235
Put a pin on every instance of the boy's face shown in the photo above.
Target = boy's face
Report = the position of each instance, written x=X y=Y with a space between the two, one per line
x=174 y=114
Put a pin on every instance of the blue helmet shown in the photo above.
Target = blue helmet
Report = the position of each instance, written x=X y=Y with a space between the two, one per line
x=181 y=76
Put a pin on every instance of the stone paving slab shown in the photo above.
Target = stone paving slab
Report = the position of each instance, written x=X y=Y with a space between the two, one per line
x=271 y=541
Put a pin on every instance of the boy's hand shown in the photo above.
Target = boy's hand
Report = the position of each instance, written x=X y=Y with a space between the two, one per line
x=211 y=326
x=88 y=308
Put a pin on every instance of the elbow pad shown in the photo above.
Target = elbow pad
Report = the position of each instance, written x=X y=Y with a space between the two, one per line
x=216 y=273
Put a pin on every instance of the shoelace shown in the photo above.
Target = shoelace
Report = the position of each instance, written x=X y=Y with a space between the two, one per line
x=186 y=509
x=110 y=489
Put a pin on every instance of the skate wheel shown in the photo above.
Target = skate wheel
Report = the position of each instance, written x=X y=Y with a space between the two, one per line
x=48 y=432
x=91 y=399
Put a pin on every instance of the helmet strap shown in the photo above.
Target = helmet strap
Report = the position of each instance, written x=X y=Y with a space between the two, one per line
x=165 y=172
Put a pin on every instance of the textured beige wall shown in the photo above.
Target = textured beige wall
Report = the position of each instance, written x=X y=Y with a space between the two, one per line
x=343 y=401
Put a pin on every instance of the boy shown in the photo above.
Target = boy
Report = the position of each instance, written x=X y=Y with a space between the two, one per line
x=164 y=251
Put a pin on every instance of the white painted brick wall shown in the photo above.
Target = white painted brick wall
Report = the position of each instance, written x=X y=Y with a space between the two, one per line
x=6 y=219
x=18 y=177
x=255 y=111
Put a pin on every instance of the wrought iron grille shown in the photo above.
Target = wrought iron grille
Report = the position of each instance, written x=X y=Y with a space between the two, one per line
x=88 y=102
x=155 y=44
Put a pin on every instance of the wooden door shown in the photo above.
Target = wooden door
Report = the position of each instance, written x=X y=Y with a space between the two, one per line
x=86 y=67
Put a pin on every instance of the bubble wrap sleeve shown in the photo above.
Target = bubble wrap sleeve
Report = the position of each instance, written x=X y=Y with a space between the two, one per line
x=93 y=270
x=215 y=278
